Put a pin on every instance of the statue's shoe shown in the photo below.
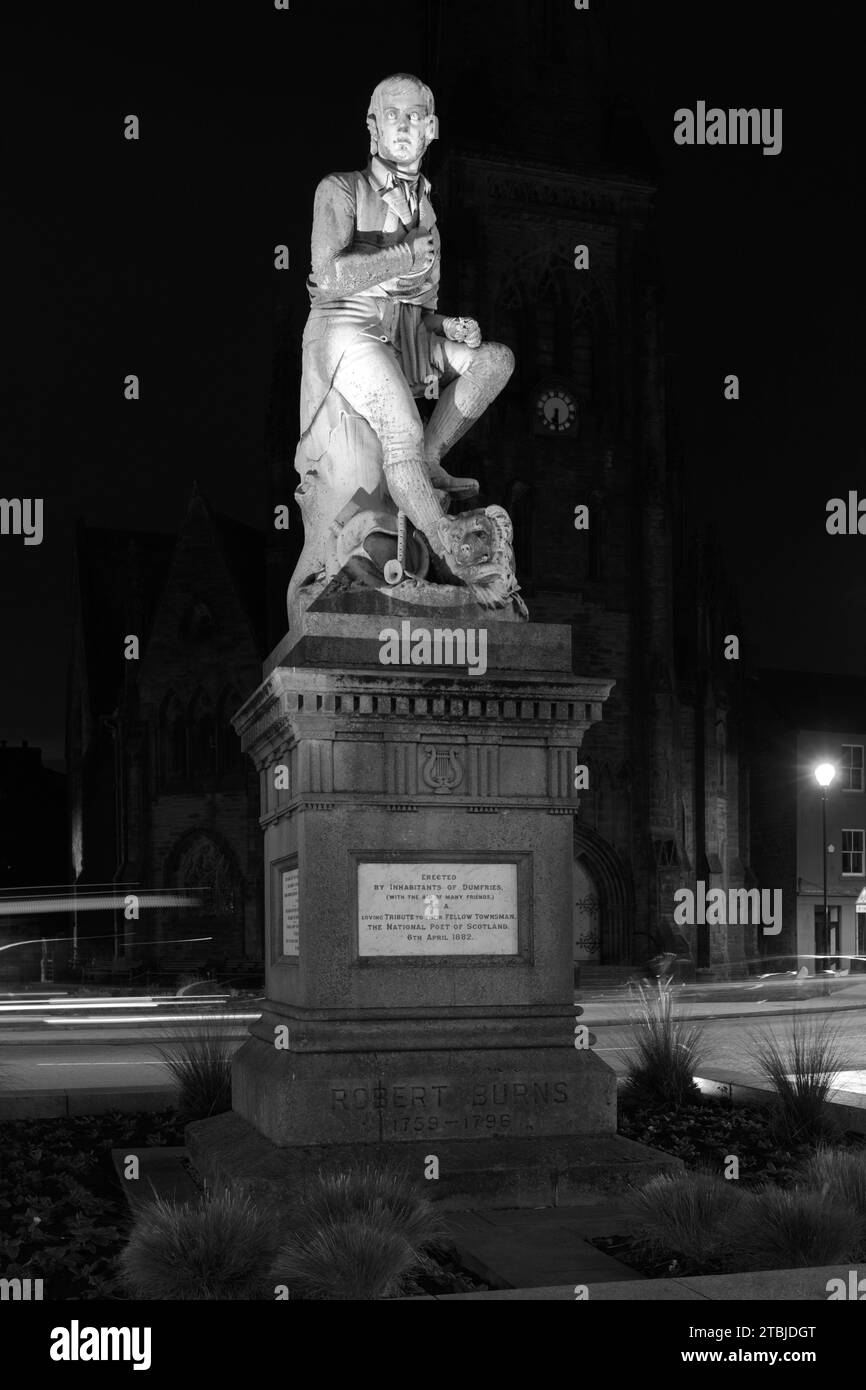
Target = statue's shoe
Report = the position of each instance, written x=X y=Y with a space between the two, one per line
x=458 y=487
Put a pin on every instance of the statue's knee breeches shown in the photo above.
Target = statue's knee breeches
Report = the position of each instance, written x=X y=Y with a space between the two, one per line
x=373 y=383
x=488 y=366
x=494 y=361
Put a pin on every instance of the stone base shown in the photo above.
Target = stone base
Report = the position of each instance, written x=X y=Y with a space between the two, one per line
x=573 y=1170
x=351 y=1087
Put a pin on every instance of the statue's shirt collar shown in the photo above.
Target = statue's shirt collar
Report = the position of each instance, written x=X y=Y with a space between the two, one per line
x=384 y=180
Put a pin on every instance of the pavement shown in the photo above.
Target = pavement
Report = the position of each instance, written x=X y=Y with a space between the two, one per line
x=753 y=998
x=763 y=1286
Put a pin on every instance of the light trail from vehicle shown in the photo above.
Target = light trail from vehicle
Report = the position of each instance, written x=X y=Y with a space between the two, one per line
x=157 y=1018
x=144 y=1003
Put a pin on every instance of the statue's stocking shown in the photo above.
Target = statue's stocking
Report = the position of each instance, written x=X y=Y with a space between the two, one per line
x=411 y=490
x=462 y=403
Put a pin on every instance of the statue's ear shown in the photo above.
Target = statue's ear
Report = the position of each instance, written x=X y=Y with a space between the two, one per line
x=374 y=133
x=432 y=128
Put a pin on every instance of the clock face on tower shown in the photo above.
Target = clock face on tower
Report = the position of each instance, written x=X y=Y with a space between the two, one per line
x=555 y=410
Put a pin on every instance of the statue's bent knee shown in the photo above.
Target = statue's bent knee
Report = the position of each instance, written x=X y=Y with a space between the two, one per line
x=497 y=360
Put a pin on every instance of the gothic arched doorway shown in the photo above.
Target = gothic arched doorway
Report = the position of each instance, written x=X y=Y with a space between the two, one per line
x=204 y=865
x=586 y=907
x=603 y=899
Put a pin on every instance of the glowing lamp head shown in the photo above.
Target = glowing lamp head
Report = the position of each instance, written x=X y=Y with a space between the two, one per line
x=824 y=774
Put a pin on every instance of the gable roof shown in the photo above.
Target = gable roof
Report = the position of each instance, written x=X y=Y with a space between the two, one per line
x=121 y=576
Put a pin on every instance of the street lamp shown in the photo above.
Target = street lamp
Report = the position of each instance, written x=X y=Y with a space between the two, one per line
x=824 y=774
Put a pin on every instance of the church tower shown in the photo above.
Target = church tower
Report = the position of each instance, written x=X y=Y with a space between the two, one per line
x=546 y=195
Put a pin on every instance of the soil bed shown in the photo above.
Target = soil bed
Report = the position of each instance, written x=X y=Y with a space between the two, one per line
x=64 y=1218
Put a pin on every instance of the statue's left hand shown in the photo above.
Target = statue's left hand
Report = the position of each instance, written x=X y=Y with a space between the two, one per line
x=463 y=331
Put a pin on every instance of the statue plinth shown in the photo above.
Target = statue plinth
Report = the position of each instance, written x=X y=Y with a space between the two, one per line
x=418 y=853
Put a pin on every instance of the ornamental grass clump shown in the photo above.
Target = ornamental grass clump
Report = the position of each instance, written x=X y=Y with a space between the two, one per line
x=802 y=1069
x=689 y=1214
x=668 y=1050
x=358 y=1235
x=793 y=1228
x=200 y=1060
x=841 y=1175
x=220 y=1247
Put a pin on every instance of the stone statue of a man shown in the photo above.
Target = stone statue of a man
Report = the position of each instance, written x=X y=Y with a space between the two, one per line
x=374 y=343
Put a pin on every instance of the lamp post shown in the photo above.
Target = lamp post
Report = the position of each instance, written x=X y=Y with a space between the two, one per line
x=824 y=774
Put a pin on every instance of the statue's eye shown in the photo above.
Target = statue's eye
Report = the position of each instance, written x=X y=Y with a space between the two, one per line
x=415 y=117
x=390 y=114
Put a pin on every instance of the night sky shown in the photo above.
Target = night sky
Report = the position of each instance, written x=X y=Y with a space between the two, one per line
x=156 y=258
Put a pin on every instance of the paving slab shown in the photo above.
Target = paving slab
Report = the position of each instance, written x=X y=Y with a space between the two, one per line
x=642 y=1291
x=522 y=1249
x=161 y=1173
x=93 y=1100
x=799 y=1285
x=763 y=1286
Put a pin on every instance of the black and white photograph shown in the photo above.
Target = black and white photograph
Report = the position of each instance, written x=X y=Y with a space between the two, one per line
x=432 y=673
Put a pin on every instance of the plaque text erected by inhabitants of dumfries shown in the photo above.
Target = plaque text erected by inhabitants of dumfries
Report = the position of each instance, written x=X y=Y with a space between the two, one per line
x=437 y=909
x=290 y=912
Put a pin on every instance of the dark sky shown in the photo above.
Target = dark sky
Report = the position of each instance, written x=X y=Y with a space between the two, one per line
x=156 y=258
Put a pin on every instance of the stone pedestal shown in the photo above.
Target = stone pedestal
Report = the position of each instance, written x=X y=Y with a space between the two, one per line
x=418 y=852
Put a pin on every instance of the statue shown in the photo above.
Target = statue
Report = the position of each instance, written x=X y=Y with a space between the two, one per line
x=374 y=494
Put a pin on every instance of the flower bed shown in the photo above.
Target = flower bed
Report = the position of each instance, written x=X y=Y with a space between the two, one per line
x=64 y=1219
x=706 y=1134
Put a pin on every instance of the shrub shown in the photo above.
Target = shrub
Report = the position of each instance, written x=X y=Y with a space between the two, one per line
x=200 y=1060
x=219 y=1248
x=668 y=1050
x=357 y=1236
x=689 y=1213
x=793 y=1228
x=841 y=1175
x=348 y=1259
x=802 y=1070
x=376 y=1195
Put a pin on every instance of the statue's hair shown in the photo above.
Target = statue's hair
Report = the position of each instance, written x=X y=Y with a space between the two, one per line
x=402 y=77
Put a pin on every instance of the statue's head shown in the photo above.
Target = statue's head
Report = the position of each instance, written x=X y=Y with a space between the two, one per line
x=402 y=120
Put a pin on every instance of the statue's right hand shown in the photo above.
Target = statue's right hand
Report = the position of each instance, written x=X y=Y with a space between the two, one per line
x=423 y=254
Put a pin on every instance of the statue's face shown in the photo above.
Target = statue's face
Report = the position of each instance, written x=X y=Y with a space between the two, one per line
x=404 y=126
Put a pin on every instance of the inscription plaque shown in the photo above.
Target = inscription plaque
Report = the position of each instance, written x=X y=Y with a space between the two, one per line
x=451 y=1110
x=437 y=909
x=291 y=945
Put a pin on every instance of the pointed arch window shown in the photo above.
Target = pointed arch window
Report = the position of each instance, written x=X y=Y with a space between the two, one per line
x=231 y=757
x=721 y=752
x=203 y=736
x=582 y=350
x=208 y=870
x=173 y=744
x=511 y=321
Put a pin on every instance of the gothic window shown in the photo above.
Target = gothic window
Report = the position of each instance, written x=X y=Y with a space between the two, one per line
x=206 y=870
x=721 y=753
x=511 y=322
x=546 y=313
x=231 y=758
x=666 y=855
x=582 y=350
x=203 y=740
x=596 y=537
x=173 y=740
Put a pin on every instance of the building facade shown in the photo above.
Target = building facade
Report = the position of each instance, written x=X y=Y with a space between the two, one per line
x=160 y=796
x=801 y=721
